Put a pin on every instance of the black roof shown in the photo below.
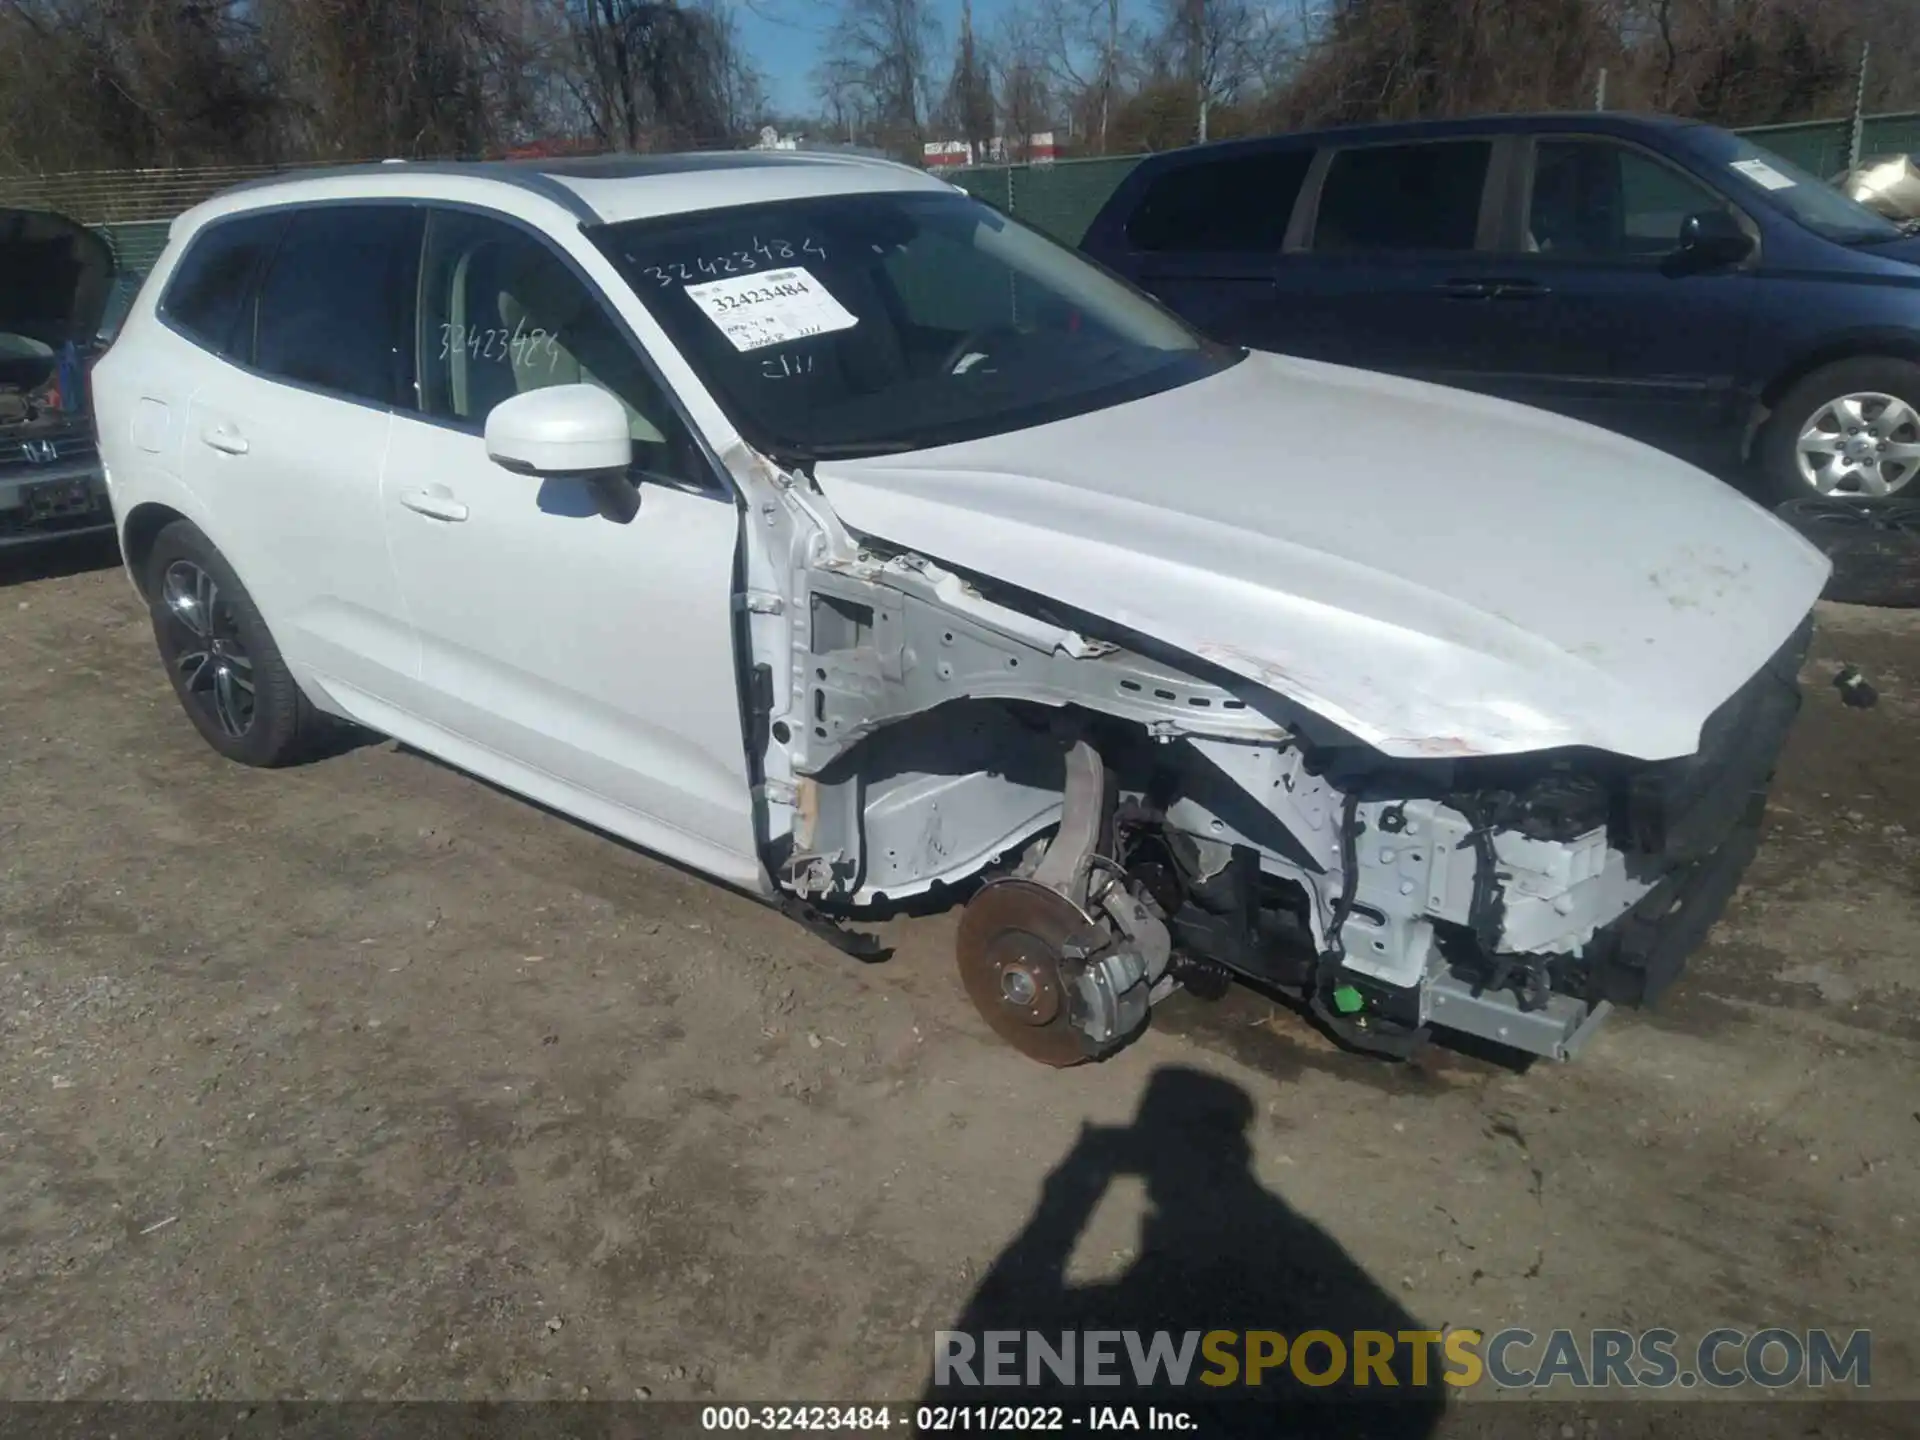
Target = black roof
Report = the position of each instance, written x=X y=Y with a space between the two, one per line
x=1600 y=122
x=542 y=174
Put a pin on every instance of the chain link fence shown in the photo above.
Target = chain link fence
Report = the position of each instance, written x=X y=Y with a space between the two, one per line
x=132 y=208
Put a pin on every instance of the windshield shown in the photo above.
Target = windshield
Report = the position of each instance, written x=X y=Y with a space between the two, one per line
x=862 y=324
x=1810 y=200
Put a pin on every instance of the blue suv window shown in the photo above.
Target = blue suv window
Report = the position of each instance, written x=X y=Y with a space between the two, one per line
x=1423 y=196
x=1597 y=199
x=1236 y=204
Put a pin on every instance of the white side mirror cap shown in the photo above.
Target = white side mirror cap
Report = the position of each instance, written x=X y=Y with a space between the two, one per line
x=561 y=430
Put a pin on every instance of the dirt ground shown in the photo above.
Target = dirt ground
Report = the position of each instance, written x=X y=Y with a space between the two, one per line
x=367 y=1080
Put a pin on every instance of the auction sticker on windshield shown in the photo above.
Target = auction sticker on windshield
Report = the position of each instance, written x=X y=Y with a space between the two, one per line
x=1764 y=174
x=771 y=308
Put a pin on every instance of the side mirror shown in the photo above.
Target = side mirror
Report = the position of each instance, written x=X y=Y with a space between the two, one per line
x=1712 y=238
x=568 y=432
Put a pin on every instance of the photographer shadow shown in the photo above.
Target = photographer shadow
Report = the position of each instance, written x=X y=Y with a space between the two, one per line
x=1217 y=1252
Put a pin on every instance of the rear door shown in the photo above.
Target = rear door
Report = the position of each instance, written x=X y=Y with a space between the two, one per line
x=287 y=431
x=1205 y=235
x=1589 y=315
x=1379 y=270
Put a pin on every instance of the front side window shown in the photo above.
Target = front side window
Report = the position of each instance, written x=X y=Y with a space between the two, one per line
x=855 y=324
x=335 y=307
x=1237 y=204
x=204 y=298
x=502 y=314
x=1594 y=199
x=1423 y=196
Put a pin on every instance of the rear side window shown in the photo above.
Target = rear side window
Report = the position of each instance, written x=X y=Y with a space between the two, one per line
x=204 y=297
x=336 y=306
x=1424 y=196
x=1232 y=204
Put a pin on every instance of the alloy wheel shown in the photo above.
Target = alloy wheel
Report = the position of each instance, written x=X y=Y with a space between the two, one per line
x=205 y=648
x=1862 y=444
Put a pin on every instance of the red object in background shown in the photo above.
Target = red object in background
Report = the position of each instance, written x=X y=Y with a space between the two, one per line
x=549 y=149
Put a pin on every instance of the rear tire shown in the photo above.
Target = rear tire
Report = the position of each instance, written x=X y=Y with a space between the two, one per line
x=1808 y=410
x=220 y=657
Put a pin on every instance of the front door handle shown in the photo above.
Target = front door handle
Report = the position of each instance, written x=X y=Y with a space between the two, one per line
x=226 y=441
x=436 y=504
x=1518 y=289
x=1464 y=289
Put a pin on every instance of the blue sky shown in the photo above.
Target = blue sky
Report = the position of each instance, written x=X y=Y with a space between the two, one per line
x=784 y=38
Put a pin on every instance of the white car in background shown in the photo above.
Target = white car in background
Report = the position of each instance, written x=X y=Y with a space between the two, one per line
x=803 y=520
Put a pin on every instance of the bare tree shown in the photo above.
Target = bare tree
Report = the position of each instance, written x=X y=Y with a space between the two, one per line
x=114 y=83
x=877 y=60
x=744 y=105
x=1086 y=52
x=1219 y=48
x=1026 y=108
x=131 y=82
x=649 y=73
x=968 y=107
x=846 y=104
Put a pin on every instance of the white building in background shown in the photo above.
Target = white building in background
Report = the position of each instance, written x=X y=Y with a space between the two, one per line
x=952 y=154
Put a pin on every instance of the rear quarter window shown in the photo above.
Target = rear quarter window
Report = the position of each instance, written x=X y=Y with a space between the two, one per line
x=204 y=297
x=1237 y=203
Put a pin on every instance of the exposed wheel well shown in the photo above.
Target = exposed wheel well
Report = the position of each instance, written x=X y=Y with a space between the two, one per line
x=1895 y=347
x=142 y=528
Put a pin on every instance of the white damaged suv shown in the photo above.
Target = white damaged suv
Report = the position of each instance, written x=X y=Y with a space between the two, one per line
x=804 y=520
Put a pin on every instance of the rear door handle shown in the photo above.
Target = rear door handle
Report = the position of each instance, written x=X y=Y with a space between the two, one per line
x=1464 y=289
x=226 y=441
x=436 y=504
x=1518 y=289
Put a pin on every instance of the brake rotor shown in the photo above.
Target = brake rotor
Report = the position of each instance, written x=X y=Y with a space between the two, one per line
x=1011 y=949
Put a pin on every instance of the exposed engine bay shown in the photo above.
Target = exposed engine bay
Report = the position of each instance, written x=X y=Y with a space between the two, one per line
x=1142 y=821
x=31 y=398
x=53 y=287
x=55 y=277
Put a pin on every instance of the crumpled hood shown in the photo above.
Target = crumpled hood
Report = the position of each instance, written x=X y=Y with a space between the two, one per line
x=1436 y=572
x=55 y=276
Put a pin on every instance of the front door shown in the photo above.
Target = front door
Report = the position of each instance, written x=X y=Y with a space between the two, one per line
x=1587 y=313
x=586 y=663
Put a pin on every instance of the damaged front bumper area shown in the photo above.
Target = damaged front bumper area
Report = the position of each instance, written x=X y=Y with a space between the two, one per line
x=1146 y=822
x=1586 y=887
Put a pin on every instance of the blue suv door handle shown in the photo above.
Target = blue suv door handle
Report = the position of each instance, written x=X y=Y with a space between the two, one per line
x=1465 y=289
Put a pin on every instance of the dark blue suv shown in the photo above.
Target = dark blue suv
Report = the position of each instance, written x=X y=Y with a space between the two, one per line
x=1662 y=278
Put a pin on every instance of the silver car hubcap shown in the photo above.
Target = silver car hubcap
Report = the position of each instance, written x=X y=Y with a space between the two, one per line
x=214 y=667
x=1862 y=444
